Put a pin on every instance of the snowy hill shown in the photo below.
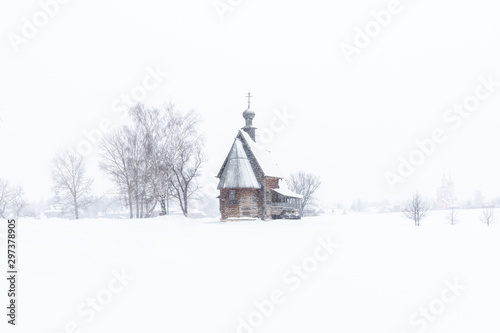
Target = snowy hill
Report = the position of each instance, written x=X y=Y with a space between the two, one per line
x=349 y=273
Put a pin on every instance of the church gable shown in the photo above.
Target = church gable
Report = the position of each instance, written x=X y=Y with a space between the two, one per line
x=237 y=172
x=261 y=155
x=251 y=183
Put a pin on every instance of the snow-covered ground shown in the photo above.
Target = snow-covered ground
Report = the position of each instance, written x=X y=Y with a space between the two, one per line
x=342 y=273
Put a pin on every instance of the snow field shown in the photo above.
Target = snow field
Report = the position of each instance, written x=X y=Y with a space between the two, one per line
x=183 y=275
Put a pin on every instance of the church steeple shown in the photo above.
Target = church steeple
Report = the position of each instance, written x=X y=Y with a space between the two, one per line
x=249 y=115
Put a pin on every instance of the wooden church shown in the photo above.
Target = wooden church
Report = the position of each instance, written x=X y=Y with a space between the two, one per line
x=250 y=182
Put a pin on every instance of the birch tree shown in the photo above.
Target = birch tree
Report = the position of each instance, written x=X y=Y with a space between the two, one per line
x=115 y=160
x=185 y=155
x=157 y=156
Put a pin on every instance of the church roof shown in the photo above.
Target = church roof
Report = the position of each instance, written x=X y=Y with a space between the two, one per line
x=285 y=191
x=237 y=171
x=263 y=157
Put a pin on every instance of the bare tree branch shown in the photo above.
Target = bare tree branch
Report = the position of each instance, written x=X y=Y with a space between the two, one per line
x=71 y=186
x=11 y=199
x=5 y=197
x=159 y=155
x=306 y=185
x=488 y=215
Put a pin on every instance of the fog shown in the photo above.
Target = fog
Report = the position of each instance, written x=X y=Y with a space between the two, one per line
x=424 y=87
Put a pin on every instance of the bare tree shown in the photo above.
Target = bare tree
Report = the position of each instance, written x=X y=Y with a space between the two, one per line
x=134 y=158
x=488 y=215
x=5 y=197
x=115 y=160
x=453 y=216
x=306 y=185
x=159 y=155
x=185 y=155
x=415 y=209
x=71 y=185
x=152 y=126
x=11 y=199
x=126 y=156
x=138 y=166
x=18 y=203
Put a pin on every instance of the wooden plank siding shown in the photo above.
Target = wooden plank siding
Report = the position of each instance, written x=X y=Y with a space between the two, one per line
x=254 y=202
x=246 y=203
x=269 y=183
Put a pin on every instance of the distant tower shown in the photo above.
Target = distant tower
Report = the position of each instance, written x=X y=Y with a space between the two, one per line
x=446 y=194
x=249 y=115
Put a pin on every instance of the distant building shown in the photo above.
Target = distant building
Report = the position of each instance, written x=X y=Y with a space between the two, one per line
x=250 y=182
x=446 y=194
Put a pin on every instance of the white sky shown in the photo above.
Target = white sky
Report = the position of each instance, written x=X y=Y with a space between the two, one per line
x=352 y=121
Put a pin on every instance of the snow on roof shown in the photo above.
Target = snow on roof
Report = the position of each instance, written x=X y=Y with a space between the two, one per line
x=287 y=193
x=238 y=172
x=284 y=190
x=263 y=157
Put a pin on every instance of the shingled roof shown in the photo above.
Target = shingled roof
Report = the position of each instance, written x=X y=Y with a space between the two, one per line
x=262 y=156
x=237 y=171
